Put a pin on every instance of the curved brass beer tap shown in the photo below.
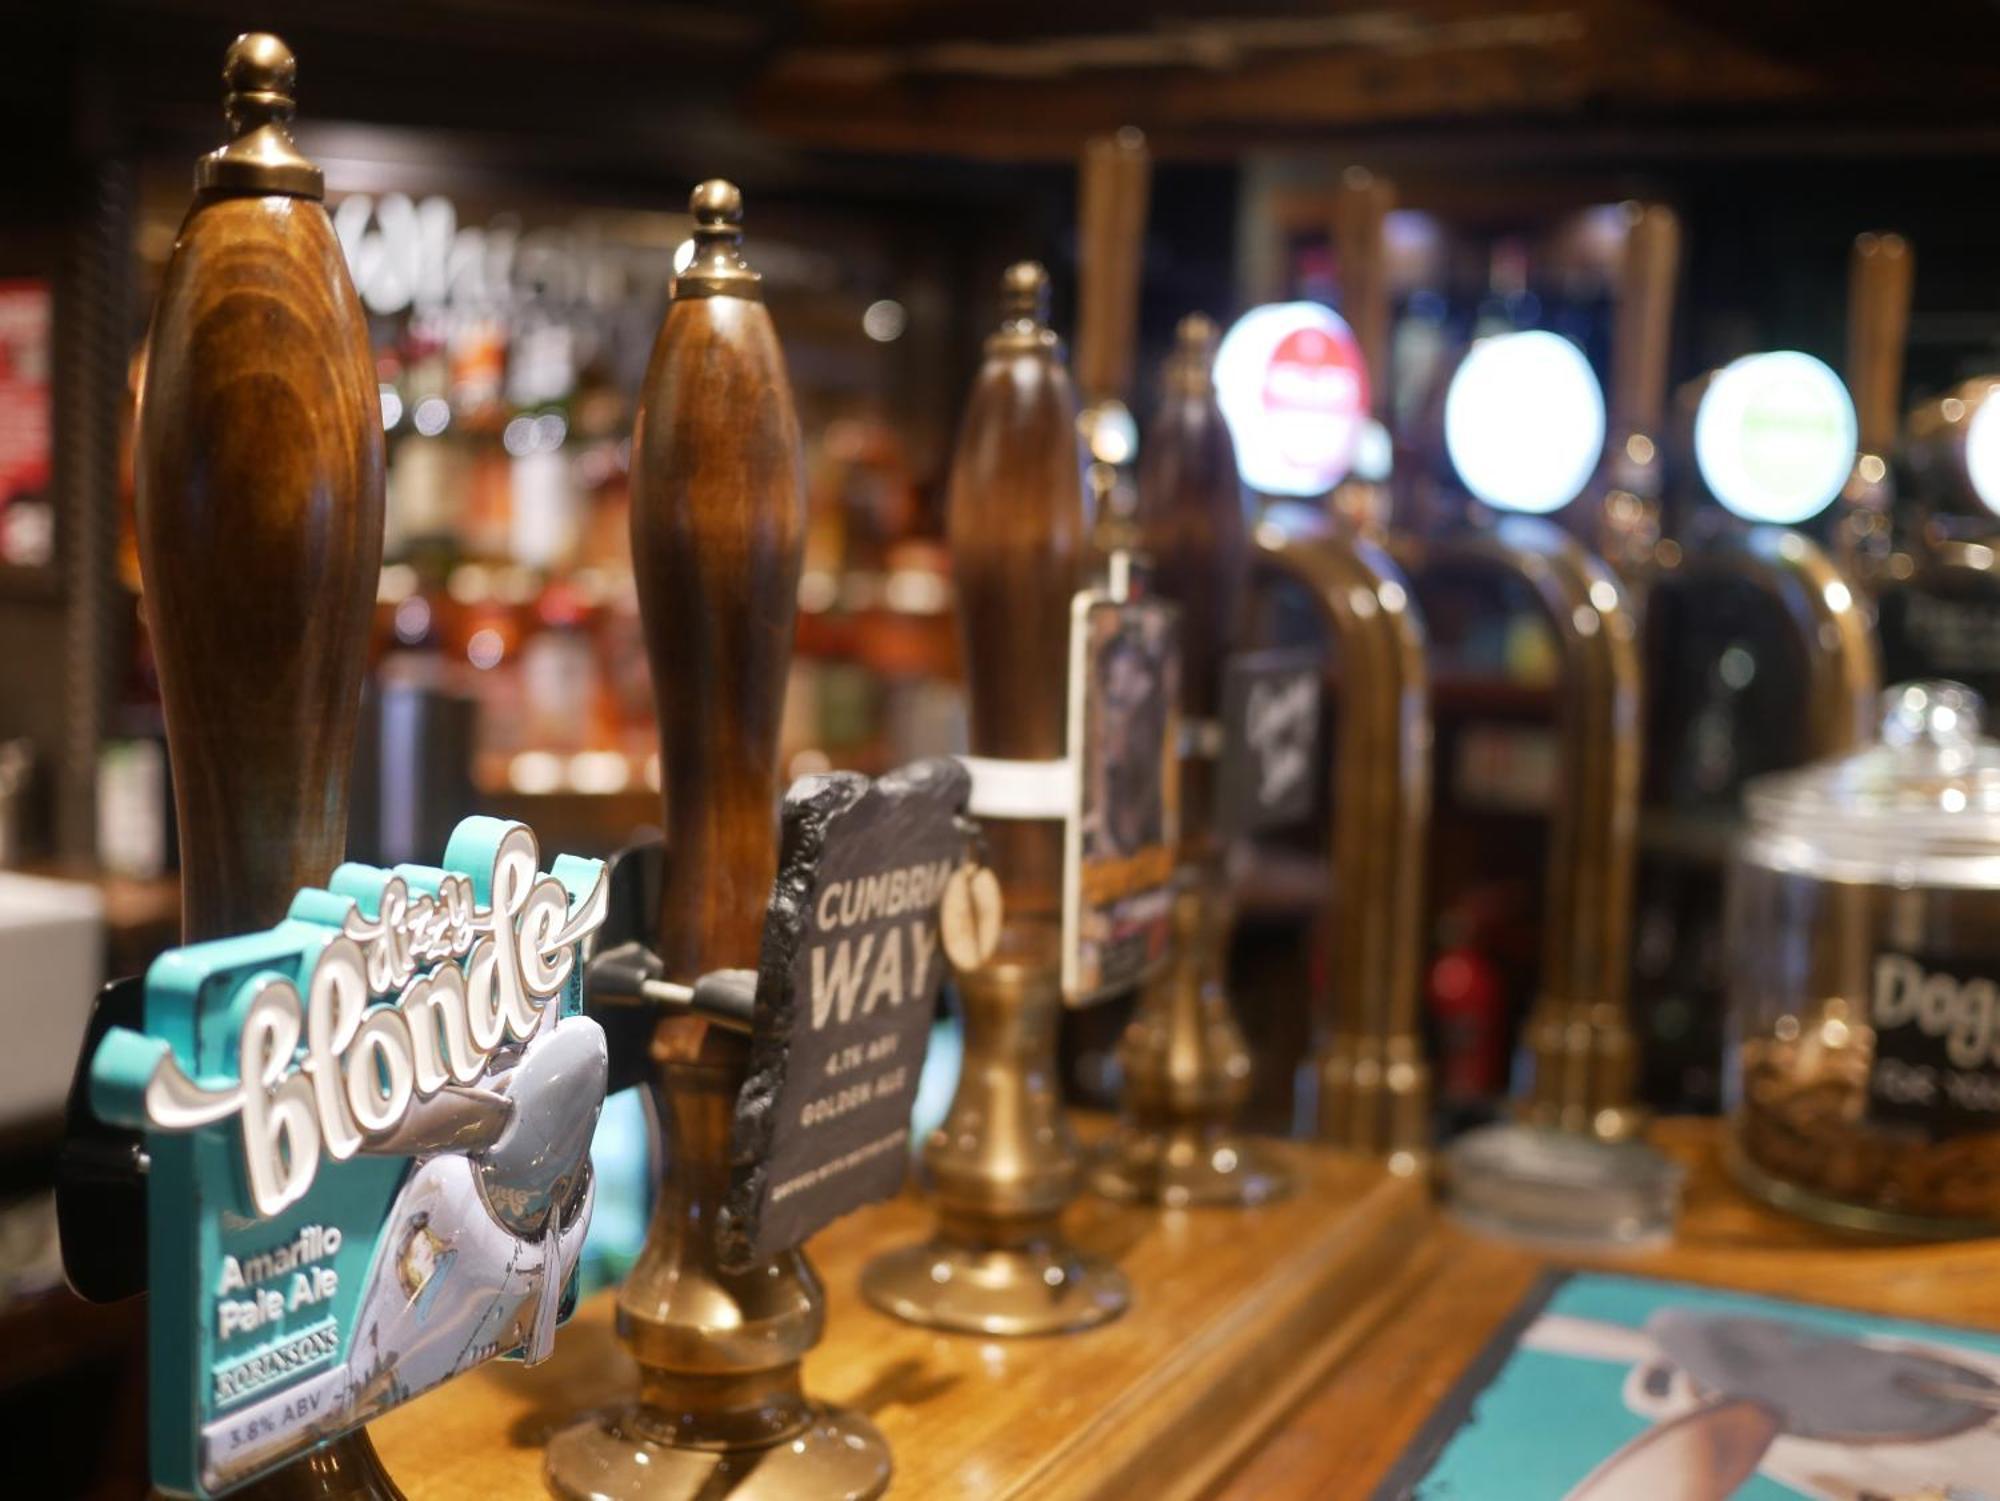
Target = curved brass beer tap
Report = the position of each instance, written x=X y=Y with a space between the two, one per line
x=1821 y=607
x=1939 y=440
x=718 y=523
x=1371 y=1081
x=1827 y=610
x=1579 y=1035
x=1934 y=608
x=1962 y=484
x=1005 y=1163
x=1827 y=617
x=1820 y=604
x=1185 y=1065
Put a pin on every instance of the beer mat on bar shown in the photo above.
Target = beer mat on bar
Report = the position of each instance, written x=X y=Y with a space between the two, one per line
x=1600 y=1387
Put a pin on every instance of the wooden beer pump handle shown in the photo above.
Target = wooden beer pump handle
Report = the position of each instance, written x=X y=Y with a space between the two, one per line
x=259 y=475
x=1187 y=1070
x=1880 y=274
x=1004 y=1161
x=1114 y=178
x=718 y=524
x=1194 y=524
x=1019 y=531
x=1360 y=212
x=258 y=467
x=1642 y=330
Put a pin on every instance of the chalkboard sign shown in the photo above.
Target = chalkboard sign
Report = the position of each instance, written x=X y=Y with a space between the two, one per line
x=1270 y=739
x=847 y=988
x=1124 y=743
x=369 y=1135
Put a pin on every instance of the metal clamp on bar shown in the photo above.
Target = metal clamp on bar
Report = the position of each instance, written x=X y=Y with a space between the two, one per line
x=1020 y=789
x=631 y=974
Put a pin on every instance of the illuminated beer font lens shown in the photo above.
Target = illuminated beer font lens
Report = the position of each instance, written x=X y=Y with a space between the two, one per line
x=1290 y=378
x=1982 y=451
x=1524 y=421
x=1774 y=436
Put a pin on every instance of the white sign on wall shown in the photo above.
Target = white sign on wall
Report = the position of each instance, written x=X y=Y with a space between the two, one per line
x=1775 y=436
x=1524 y=421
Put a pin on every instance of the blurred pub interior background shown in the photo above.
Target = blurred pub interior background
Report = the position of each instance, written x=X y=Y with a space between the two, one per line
x=509 y=181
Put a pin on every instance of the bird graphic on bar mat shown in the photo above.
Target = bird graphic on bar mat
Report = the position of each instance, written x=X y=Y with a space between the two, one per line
x=1735 y=1395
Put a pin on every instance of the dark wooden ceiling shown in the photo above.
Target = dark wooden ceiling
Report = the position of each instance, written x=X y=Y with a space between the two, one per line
x=1030 y=77
x=622 y=81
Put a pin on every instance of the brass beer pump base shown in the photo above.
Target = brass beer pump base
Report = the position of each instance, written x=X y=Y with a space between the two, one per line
x=1186 y=1073
x=1005 y=1163
x=1188 y=1167
x=836 y=1456
x=721 y=1411
x=1044 y=1287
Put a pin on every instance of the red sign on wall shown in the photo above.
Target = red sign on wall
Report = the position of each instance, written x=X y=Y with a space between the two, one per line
x=1291 y=380
x=27 y=515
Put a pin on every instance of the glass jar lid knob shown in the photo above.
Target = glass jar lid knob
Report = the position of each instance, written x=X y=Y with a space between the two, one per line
x=1932 y=711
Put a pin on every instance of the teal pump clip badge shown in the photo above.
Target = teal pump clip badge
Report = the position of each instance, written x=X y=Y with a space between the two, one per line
x=367 y=1136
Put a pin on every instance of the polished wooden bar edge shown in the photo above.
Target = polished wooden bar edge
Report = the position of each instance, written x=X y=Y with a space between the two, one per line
x=1236 y=1316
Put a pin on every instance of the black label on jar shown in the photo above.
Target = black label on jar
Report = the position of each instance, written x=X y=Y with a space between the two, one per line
x=1937 y=1044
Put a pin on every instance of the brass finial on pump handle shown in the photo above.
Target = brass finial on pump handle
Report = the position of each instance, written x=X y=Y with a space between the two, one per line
x=718 y=267
x=259 y=74
x=1024 y=302
x=1186 y=1068
x=1004 y=1162
x=718 y=521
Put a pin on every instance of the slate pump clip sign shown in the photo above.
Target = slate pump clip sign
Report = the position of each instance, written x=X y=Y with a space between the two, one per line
x=367 y=1137
x=847 y=989
x=840 y=1006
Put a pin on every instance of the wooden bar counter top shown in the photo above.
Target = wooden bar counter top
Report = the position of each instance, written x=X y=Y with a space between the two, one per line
x=1239 y=1314
x=1344 y=1438
x=1291 y=1351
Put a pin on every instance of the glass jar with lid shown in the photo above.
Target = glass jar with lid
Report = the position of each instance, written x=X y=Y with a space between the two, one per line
x=1863 y=941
